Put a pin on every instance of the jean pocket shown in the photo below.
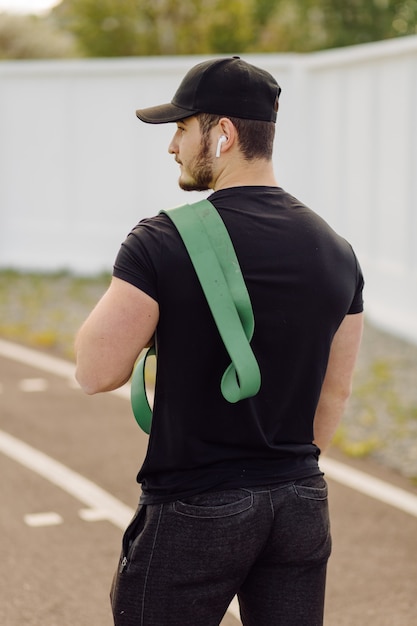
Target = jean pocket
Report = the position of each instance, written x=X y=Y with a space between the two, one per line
x=133 y=529
x=215 y=505
x=311 y=491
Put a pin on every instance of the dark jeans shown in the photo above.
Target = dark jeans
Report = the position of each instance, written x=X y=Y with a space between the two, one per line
x=183 y=562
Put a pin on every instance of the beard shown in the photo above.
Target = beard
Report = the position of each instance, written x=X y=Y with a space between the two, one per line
x=200 y=170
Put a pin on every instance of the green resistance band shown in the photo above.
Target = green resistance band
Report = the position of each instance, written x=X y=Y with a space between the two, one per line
x=214 y=260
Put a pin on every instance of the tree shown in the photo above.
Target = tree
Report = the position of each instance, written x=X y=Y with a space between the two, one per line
x=152 y=27
x=105 y=28
x=28 y=37
x=362 y=21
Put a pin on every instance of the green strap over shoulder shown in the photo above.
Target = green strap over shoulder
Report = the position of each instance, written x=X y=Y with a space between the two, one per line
x=214 y=260
x=138 y=397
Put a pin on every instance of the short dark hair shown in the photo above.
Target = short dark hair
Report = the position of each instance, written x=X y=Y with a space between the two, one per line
x=256 y=138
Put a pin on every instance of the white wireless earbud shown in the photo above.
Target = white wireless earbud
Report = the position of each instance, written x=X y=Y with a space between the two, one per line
x=222 y=139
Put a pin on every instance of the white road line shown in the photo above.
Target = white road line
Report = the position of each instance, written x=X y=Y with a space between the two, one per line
x=370 y=486
x=76 y=485
x=36 y=359
x=48 y=363
x=30 y=385
x=43 y=519
x=92 y=515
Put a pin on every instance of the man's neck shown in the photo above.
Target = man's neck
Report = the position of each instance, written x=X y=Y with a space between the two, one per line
x=248 y=174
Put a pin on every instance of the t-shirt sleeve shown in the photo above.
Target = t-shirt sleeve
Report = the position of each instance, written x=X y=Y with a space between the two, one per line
x=357 y=302
x=135 y=260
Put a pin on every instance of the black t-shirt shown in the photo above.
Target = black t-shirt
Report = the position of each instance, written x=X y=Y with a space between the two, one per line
x=302 y=279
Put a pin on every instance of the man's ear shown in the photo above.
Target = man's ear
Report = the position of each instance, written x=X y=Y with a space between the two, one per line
x=222 y=140
x=226 y=135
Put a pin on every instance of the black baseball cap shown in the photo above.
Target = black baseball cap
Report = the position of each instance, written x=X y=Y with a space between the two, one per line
x=229 y=87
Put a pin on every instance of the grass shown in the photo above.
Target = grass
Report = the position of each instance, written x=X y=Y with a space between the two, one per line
x=45 y=310
x=376 y=398
x=381 y=420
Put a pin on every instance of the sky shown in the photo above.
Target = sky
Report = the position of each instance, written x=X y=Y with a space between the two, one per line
x=27 y=6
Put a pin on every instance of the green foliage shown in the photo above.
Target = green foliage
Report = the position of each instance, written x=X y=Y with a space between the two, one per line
x=232 y=30
x=358 y=21
x=152 y=27
x=381 y=414
x=30 y=37
x=109 y=28
x=105 y=28
x=46 y=310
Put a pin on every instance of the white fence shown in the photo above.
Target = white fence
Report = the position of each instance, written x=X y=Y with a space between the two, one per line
x=78 y=170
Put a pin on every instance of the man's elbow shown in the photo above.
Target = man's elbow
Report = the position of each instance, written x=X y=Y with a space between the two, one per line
x=89 y=384
x=337 y=392
x=345 y=392
x=93 y=382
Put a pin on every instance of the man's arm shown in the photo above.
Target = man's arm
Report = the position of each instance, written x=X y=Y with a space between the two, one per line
x=112 y=337
x=337 y=385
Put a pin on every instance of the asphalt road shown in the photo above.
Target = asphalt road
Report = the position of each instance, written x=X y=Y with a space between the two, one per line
x=59 y=545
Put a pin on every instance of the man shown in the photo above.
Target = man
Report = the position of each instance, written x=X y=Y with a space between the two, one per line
x=233 y=500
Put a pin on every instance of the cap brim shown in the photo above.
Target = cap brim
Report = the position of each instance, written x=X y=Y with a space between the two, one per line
x=163 y=114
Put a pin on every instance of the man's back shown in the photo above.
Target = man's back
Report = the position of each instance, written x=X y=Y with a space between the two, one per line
x=288 y=257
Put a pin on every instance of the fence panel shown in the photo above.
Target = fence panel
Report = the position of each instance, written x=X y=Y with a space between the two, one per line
x=78 y=170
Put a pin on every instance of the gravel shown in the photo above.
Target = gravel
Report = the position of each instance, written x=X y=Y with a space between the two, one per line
x=382 y=414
